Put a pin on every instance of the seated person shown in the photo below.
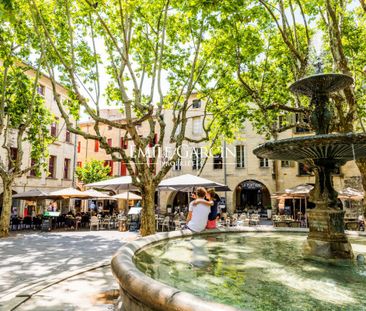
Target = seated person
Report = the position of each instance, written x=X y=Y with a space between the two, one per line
x=200 y=208
x=210 y=196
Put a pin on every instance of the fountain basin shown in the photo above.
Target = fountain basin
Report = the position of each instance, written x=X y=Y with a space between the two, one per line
x=323 y=83
x=342 y=147
x=140 y=292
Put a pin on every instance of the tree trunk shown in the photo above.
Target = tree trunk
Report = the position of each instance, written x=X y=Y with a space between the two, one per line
x=361 y=164
x=5 y=214
x=148 y=211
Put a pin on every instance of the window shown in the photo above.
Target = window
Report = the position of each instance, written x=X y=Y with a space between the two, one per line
x=96 y=145
x=300 y=118
x=41 y=90
x=124 y=144
x=52 y=167
x=196 y=125
x=217 y=162
x=123 y=169
x=304 y=170
x=67 y=163
x=240 y=156
x=196 y=158
x=13 y=156
x=263 y=162
x=154 y=141
x=287 y=163
x=79 y=146
x=110 y=127
x=79 y=164
x=196 y=103
x=54 y=129
x=109 y=142
x=33 y=171
x=68 y=136
x=177 y=165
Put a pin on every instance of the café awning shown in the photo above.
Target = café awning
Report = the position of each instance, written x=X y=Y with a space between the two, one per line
x=68 y=193
x=115 y=184
x=34 y=194
x=94 y=194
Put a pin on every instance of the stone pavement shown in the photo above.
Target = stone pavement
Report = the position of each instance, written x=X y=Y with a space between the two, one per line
x=28 y=260
x=87 y=291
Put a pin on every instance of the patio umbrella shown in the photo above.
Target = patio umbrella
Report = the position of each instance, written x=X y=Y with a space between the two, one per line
x=115 y=184
x=69 y=193
x=351 y=194
x=187 y=182
x=303 y=189
x=34 y=194
x=94 y=194
x=127 y=196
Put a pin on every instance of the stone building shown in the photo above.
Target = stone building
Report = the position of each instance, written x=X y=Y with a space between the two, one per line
x=60 y=172
x=252 y=181
x=88 y=150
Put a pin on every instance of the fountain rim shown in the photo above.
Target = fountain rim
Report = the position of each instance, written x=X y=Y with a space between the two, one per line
x=157 y=295
x=160 y=297
x=295 y=87
x=311 y=140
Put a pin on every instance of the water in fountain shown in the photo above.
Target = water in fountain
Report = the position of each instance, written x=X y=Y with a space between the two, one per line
x=257 y=271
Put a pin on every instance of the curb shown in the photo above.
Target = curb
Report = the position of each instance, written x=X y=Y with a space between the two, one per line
x=27 y=294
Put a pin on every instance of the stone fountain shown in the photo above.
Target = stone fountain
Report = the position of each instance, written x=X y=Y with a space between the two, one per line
x=323 y=153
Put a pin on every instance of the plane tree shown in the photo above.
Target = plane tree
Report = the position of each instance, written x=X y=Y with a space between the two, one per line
x=147 y=58
x=24 y=118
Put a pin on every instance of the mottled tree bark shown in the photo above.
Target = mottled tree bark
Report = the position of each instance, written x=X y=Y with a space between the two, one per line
x=148 y=211
x=5 y=214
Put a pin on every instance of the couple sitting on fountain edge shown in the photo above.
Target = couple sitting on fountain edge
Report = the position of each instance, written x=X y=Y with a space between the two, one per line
x=202 y=210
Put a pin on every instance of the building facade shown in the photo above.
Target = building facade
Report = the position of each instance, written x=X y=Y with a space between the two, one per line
x=61 y=160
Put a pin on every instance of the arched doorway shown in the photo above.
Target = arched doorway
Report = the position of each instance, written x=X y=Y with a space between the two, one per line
x=178 y=202
x=252 y=195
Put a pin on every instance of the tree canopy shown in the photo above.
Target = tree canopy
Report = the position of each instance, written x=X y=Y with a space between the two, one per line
x=93 y=171
x=24 y=119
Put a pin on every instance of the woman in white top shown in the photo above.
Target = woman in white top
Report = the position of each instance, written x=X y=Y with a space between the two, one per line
x=199 y=210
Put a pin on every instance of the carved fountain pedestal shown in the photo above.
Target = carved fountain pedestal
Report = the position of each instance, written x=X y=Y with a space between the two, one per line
x=324 y=153
x=326 y=237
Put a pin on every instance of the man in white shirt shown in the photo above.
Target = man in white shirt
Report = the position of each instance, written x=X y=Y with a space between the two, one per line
x=200 y=212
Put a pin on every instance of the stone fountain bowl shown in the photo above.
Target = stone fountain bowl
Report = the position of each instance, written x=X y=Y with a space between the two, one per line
x=142 y=293
x=341 y=147
x=321 y=84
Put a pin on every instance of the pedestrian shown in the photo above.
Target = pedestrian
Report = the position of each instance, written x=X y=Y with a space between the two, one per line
x=92 y=206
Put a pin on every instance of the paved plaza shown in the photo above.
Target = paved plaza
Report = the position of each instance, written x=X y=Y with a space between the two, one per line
x=30 y=260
